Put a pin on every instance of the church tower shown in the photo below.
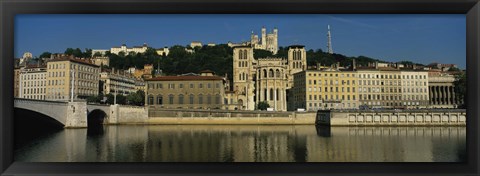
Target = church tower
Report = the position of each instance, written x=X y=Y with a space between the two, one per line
x=243 y=74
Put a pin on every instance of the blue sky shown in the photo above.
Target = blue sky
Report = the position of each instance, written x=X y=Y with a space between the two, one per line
x=418 y=38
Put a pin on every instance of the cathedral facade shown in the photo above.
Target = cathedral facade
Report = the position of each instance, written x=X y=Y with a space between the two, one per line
x=265 y=79
x=268 y=41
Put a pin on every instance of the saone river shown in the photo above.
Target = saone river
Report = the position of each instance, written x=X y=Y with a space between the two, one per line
x=247 y=143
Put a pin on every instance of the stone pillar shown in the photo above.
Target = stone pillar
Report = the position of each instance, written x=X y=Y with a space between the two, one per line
x=430 y=94
x=449 y=95
x=76 y=115
x=434 y=93
x=256 y=88
x=284 y=99
x=454 y=99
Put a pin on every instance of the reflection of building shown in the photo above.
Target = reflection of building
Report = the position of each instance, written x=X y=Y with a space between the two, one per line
x=59 y=78
x=441 y=90
x=116 y=82
x=325 y=89
x=186 y=91
x=265 y=79
x=32 y=83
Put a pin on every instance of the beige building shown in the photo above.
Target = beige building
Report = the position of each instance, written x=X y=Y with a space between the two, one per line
x=59 y=79
x=139 y=85
x=32 y=83
x=325 y=89
x=105 y=61
x=196 y=44
x=265 y=79
x=442 y=90
x=205 y=91
x=393 y=87
x=16 y=82
x=116 y=82
x=127 y=51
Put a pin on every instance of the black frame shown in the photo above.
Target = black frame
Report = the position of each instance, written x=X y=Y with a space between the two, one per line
x=9 y=8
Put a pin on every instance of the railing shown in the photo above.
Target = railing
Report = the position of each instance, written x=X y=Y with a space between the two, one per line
x=40 y=101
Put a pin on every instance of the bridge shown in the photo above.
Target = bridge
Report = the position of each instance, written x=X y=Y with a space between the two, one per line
x=79 y=114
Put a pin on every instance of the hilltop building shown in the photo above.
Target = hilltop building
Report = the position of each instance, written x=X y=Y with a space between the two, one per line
x=265 y=79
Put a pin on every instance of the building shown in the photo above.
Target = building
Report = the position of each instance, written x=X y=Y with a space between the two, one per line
x=442 y=90
x=325 y=89
x=392 y=86
x=16 y=82
x=265 y=79
x=32 y=83
x=267 y=42
x=116 y=82
x=105 y=61
x=211 y=44
x=99 y=52
x=27 y=56
x=196 y=44
x=139 y=85
x=65 y=70
x=205 y=91
x=443 y=67
x=163 y=51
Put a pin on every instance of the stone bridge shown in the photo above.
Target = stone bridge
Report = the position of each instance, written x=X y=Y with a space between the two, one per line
x=81 y=114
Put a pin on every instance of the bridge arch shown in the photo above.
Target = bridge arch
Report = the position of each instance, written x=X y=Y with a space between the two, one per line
x=96 y=117
x=34 y=117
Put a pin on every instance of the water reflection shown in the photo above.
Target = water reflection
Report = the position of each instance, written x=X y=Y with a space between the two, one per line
x=241 y=143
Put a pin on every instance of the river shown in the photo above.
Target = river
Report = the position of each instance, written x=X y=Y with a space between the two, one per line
x=247 y=143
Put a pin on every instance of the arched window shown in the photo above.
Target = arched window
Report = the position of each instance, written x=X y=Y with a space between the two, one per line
x=265 y=93
x=217 y=99
x=191 y=98
x=244 y=54
x=200 y=99
x=209 y=99
x=270 y=73
x=264 y=73
x=180 y=99
x=271 y=93
x=277 y=73
x=159 y=99
x=240 y=54
x=170 y=99
x=150 y=99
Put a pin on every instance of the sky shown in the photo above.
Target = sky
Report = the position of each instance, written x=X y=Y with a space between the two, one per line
x=419 y=38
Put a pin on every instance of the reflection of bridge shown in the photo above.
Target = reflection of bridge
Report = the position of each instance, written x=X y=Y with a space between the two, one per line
x=78 y=114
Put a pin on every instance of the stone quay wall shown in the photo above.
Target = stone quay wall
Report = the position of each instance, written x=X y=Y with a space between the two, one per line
x=423 y=117
x=183 y=116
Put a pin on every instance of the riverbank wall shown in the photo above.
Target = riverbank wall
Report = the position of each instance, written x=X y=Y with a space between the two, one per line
x=420 y=117
x=223 y=117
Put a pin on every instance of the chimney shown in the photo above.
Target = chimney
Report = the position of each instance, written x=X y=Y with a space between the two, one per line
x=376 y=65
x=414 y=66
x=318 y=66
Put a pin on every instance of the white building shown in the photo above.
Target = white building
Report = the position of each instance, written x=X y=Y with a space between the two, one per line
x=196 y=44
x=116 y=82
x=33 y=83
x=163 y=51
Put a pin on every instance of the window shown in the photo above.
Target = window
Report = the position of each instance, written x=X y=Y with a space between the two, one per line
x=159 y=99
x=191 y=97
x=200 y=99
x=217 y=99
x=217 y=85
x=209 y=85
x=200 y=85
x=180 y=99
x=170 y=99
x=209 y=99
x=180 y=85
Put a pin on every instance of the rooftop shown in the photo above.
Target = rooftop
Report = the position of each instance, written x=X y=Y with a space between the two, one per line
x=184 y=78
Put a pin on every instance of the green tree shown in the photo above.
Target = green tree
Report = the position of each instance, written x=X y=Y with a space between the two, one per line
x=45 y=55
x=258 y=53
x=137 y=98
x=263 y=105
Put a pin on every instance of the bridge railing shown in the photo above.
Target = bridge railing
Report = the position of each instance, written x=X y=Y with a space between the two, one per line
x=23 y=100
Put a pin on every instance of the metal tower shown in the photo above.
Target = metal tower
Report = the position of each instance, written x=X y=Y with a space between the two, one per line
x=329 y=42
